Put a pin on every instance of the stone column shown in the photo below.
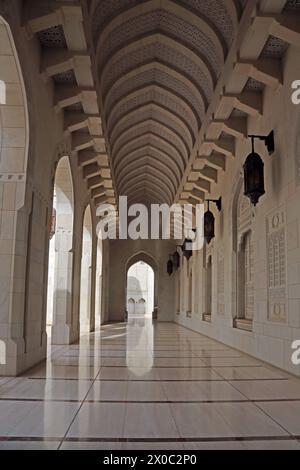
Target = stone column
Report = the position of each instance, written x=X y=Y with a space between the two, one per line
x=63 y=283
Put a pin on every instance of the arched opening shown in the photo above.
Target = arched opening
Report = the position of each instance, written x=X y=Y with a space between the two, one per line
x=99 y=280
x=60 y=268
x=140 y=289
x=131 y=307
x=14 y=213
x=86 y=273
x=244 y=249
x=246 y=285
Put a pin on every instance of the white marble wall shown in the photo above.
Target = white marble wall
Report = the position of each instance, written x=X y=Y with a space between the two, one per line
x=276 y=309
x=29 y=152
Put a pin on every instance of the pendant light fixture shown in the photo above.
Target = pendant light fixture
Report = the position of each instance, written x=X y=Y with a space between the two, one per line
x=254 y=183
x=176 y=260
x=209 y=220
x=170 y=267
x=187 y=253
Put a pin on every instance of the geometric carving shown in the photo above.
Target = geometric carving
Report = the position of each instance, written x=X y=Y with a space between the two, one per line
x=158 y=61
x=274 y=48
x=276 y=262
x=163 y=22
x=53 y=37
x=245 y=276
x=244 y=214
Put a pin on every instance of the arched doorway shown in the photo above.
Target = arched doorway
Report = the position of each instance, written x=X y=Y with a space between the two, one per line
x=17 y=212
x=244 y=251
x=149 y=261
x=140 y=289
x=60 y=268
x=86 y=273
x=131 y=306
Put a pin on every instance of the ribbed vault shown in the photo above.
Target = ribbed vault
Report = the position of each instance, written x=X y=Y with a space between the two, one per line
x=158 y=63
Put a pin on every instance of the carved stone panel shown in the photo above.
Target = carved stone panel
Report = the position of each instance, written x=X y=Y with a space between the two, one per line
x=276 y=261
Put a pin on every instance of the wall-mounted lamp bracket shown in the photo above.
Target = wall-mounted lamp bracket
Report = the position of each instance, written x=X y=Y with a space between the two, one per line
x=218 y=202
x=268 y=140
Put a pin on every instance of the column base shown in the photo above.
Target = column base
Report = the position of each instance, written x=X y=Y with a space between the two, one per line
x=14 y=359
x=63 y=335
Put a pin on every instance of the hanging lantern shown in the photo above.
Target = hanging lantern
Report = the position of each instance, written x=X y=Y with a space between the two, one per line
x=254 y=176
x=170 y=267
x=185 y=251
x=209 y=226
x=176 y=260
x=209 y=220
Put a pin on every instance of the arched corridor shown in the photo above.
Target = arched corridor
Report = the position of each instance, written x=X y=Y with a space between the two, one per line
x=150 y=224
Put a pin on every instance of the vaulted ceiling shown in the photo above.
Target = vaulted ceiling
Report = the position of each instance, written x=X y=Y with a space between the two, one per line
x=157 y=64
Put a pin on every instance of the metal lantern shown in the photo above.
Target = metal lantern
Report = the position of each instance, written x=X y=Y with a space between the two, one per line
x=254 y=176
x=170 y=267
x=187 y=253
x=176 y=260
x=209 y=226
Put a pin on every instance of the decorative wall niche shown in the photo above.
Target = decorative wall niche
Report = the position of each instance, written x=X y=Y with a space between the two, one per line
x=276 y=264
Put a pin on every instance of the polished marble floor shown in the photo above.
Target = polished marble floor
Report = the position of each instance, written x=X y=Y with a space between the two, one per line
x=143 y=386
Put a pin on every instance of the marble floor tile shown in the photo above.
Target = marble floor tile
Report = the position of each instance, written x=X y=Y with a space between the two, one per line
x=246 y=419
x=268 y=389
x=145 y=391
x=67 y=445
x=201 y=391
x=46 y=419
x=194 y=420
x=272 y=445
x=46 y=389
x=178 y=362
x=64 y=372
x=29 y=445
x=229 y=361
x=149 y=420
x=287 y=414
x=108 y=391
x=242 y=373
x=146 y=386
x=99 y=420
x=188 y=374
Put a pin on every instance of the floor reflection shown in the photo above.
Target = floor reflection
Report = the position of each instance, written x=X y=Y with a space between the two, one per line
x=149 y=385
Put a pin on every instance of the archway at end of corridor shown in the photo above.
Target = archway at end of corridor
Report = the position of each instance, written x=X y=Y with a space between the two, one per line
x=141 y=287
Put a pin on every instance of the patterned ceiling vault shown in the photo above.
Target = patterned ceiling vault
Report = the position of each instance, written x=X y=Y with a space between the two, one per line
x=158 y=63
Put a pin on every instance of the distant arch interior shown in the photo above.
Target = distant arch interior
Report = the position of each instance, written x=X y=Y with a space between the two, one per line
x=140 y=289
